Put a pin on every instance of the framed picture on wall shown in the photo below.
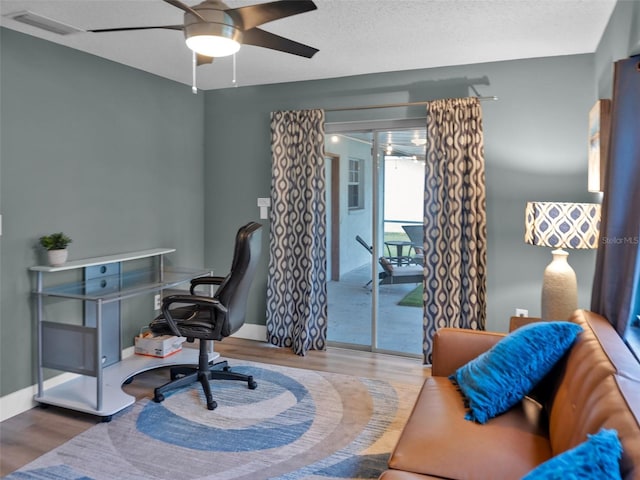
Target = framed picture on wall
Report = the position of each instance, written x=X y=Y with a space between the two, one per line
x=599 y=129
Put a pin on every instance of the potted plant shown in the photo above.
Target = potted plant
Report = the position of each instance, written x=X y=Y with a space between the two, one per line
x=56 y=246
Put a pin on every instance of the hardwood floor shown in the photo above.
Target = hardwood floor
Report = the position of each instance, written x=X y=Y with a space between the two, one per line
x=25 y=437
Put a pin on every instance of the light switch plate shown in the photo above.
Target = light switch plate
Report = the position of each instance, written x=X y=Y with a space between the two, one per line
x=264 y=202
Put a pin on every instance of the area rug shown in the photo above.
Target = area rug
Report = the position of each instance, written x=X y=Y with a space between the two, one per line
x=298 y=424
x=413 y=298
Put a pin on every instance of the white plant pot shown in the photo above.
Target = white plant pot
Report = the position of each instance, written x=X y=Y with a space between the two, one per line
x=57 y=258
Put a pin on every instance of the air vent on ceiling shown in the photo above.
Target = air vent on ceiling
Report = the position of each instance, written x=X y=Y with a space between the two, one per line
x=44 y=23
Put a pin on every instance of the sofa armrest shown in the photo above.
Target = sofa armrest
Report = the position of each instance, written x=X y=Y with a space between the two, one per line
x=453 y=347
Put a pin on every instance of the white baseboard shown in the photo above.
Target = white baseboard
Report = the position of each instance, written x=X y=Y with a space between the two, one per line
x=22 y=400
x=251 y=331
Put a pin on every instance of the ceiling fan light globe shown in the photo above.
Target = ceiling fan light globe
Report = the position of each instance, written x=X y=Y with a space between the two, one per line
x=213 y=45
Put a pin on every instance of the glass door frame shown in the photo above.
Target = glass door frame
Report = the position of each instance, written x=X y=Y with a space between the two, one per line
x=375 y=127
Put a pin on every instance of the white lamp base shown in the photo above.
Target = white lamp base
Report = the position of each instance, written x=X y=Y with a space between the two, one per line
x=559 y=288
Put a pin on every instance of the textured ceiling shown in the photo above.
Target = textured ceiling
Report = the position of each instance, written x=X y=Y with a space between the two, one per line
x=354 y=36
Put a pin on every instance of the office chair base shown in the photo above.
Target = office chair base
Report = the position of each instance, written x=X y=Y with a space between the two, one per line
x=206 y=371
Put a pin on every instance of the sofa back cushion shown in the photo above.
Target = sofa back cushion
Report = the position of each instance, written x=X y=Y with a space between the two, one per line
x=588 y=394
x=498 y=379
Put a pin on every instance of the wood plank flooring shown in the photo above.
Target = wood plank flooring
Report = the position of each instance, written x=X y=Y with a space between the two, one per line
x=25 y=437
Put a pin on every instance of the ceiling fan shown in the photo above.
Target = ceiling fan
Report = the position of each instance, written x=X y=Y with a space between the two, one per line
x=214 y=30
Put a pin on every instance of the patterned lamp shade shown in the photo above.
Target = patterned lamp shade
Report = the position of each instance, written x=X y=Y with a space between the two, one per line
x=562 y=225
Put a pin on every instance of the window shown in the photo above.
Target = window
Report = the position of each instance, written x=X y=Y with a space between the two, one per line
x=355 y=193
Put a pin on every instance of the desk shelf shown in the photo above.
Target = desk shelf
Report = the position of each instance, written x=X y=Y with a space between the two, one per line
x=85 y=348
x=79 y=393
x=105 y=259
x=130 y=284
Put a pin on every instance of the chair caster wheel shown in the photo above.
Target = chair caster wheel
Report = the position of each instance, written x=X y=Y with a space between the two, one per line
x=158 y=398
x=212 y=405
x=252 y=384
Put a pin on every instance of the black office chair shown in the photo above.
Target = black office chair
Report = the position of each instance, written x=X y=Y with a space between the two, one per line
x=211 y=318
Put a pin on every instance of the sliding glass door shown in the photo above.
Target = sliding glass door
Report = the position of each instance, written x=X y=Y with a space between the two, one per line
x=350 y=206
x=374 y=199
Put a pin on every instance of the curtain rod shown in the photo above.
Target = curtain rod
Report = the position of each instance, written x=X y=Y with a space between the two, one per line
x=390 y=105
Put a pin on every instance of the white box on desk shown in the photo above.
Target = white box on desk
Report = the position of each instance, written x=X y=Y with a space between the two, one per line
x=160 y=346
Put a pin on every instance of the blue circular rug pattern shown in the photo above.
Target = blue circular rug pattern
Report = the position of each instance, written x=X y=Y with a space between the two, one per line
x=282 y=412
x=298 y=424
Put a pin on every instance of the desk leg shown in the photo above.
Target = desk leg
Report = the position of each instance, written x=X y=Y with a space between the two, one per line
x=99 y=354
x=39 y=315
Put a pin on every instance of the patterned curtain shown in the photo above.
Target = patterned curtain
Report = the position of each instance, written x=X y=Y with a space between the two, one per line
x=454 y=219
x=296 y=284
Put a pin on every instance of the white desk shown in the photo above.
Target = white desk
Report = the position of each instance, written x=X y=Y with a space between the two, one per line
x=77 y=346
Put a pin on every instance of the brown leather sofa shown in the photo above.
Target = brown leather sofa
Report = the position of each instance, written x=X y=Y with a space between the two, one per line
x=596 y=385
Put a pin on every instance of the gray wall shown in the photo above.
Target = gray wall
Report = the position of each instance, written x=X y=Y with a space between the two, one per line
x=535 y=148
x=110 y=155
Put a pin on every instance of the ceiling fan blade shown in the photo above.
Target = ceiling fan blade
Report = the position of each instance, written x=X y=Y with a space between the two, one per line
x=253 y=15
x=184 y=8
x=124 y=29
x=203 y=59
x=262 y=38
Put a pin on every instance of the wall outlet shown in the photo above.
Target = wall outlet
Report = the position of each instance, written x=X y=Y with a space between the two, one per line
x=521 y=312
x=156 y=302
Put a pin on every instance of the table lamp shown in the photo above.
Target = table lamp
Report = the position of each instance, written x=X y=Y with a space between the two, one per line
x=561 y=225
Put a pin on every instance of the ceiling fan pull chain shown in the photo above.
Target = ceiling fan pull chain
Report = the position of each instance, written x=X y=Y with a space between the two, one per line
x=233 y=81
x=194 y=89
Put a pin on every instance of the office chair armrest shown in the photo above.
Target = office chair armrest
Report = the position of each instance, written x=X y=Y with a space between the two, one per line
x=205 y=281
x=188 y=299
x=193 y=300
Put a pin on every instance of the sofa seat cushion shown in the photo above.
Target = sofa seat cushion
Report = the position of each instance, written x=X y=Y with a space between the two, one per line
x=438 y=441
